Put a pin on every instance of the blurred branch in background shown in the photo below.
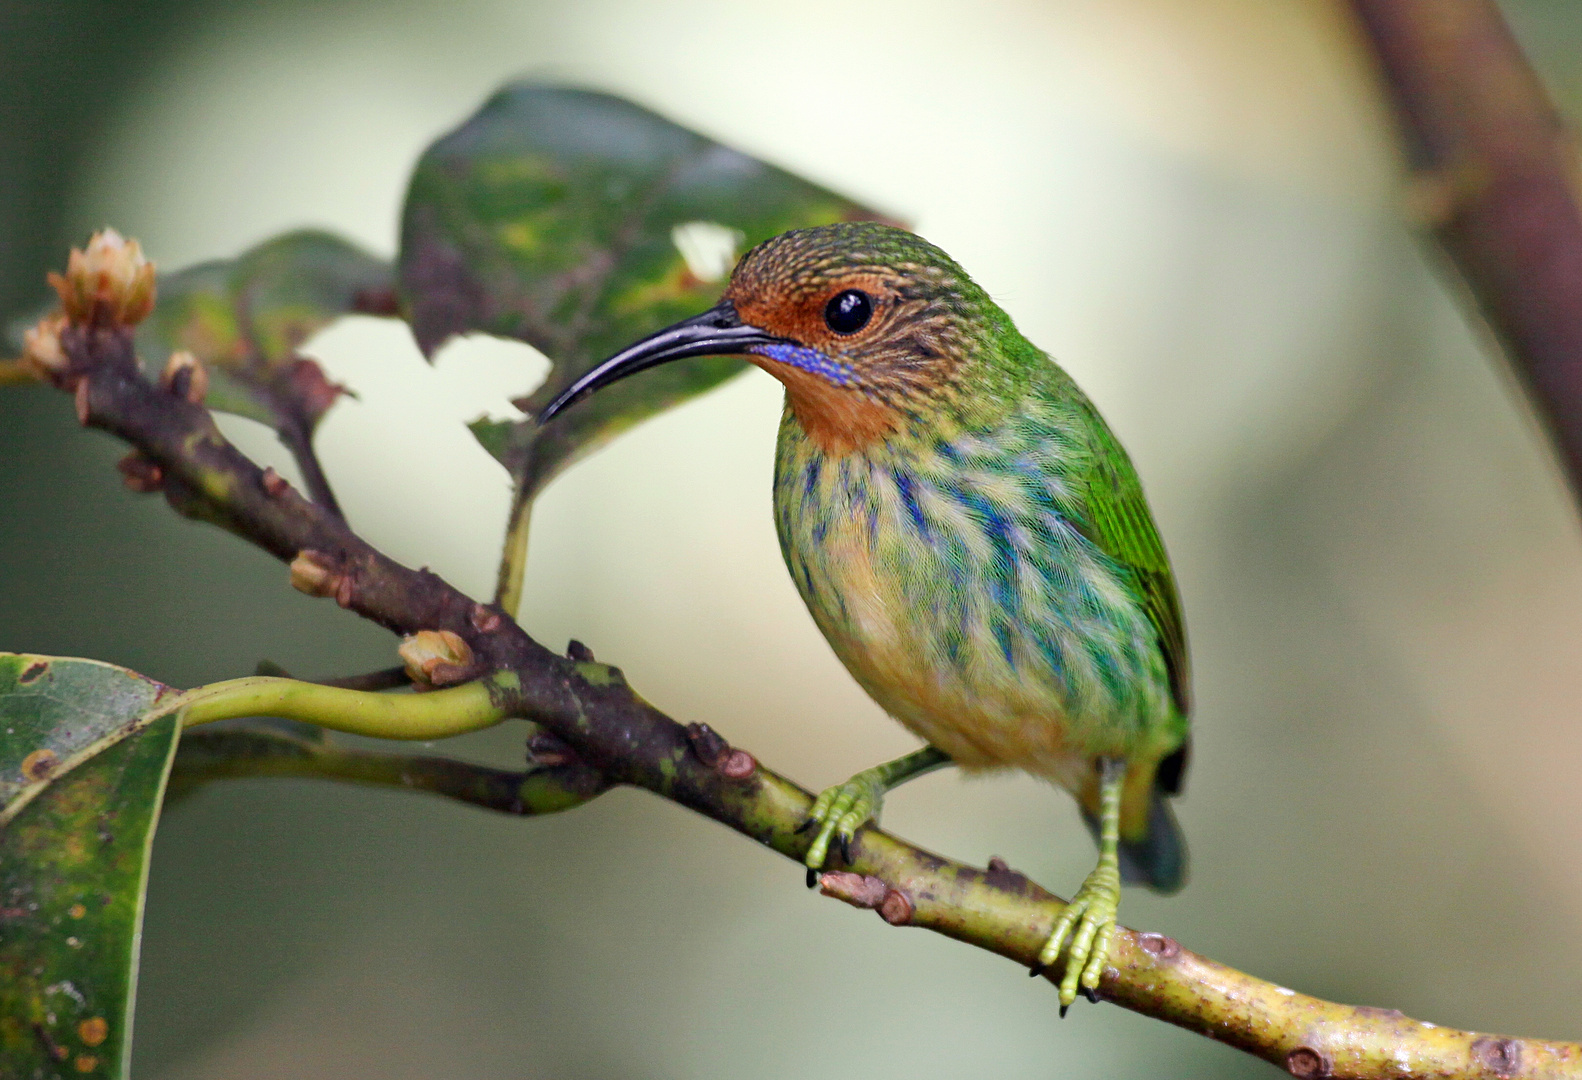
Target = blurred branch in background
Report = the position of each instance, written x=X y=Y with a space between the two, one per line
x=1494 y=174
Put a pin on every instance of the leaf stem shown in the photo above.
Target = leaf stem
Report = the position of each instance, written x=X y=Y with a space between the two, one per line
x=437 y=715
x=513 y=556
x=299 y=441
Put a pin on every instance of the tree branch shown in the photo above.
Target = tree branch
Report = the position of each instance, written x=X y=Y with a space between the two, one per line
x=1494 y=175
x=623 y=739
x=246 y=750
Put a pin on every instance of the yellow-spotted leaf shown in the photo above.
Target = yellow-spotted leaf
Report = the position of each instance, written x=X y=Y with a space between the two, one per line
x=82 y=773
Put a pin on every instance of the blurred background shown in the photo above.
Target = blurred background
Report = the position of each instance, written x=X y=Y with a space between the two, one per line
x=1192 y=203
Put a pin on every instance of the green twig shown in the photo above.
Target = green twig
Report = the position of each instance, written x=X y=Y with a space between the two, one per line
x=513 y=556
x=437 y=715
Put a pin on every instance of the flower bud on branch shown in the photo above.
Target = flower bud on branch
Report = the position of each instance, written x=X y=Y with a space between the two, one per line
x=185 y=376
x=140 y=474
x=313 y=572
x=108 y=284
x=42 y=355
x=436 y=658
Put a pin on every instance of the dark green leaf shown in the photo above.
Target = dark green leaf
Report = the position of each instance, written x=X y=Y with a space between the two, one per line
x=494 y=436
x=74 y=859
x=559 y=217
x=245 y=318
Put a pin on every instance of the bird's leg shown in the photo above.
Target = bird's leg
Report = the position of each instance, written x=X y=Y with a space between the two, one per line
x=840 y=811
x=1089 y=920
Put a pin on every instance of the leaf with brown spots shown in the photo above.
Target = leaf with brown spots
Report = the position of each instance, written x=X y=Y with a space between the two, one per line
x=74 y=843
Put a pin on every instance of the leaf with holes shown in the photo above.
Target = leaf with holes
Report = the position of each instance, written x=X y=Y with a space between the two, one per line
x=245 y=318
x=82 y=772
x=578 y=222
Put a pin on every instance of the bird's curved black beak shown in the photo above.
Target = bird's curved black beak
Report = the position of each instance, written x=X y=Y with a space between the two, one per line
x=719 y=331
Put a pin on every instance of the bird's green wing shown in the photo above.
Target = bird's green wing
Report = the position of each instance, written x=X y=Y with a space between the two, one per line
x=1120 y=524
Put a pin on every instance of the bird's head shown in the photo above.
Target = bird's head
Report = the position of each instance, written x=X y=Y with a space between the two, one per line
x=865 y=324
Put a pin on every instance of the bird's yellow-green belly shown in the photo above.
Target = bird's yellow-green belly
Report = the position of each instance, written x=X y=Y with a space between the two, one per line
x=971 y=646
x=982 y=720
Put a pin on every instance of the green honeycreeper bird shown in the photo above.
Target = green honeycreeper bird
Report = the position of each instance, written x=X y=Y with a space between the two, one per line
x=972 y=540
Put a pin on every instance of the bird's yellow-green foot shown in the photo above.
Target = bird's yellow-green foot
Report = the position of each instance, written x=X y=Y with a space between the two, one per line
x=841 y=810
x=1086 y=928
x=971 y=539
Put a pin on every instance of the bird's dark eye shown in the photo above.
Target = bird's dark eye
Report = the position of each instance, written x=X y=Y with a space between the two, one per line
x=848 y=312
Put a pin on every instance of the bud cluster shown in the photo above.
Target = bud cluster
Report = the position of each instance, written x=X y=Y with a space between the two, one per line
x=108 y=284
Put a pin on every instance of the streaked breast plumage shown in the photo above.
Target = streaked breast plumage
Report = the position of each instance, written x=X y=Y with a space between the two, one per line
x=947 y=572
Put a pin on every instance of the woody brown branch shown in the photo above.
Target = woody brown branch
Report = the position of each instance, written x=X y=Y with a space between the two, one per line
x=612 y=730
x=1493 y=174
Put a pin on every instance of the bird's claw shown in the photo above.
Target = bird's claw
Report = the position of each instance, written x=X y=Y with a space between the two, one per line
x=838 y=813
x=1084 y=931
